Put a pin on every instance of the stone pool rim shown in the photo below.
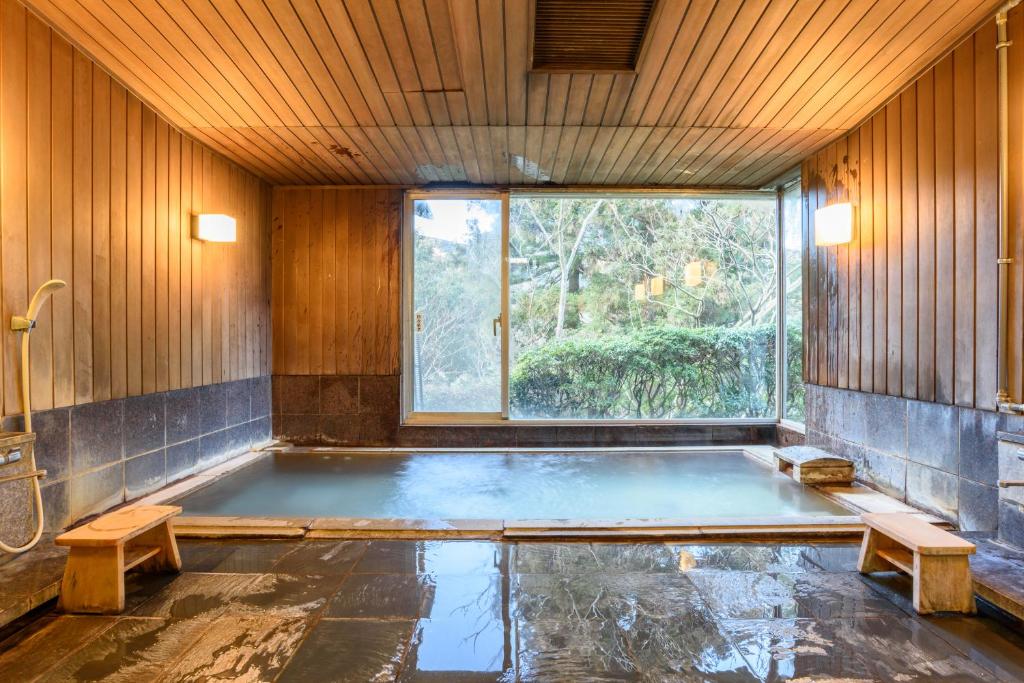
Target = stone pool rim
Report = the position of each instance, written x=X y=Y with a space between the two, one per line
x=841 y=528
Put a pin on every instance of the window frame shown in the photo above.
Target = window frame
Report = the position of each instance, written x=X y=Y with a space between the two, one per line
x=412 y=417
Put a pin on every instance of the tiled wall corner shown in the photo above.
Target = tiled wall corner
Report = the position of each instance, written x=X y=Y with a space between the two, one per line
x=100 y=454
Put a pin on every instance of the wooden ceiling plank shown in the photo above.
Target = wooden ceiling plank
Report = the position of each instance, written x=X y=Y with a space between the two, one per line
x=612 y=152
x=499 y=148
x=358 y=158
x=799 y=47
x=671 y=138
x=925 y=48
x=467 y=37
x=741 y=144
x=492 y=48
x=716 y=148
x=602 y=136
x=372 y=140
x=386 y=27
x=579 y=94
x=435 y=155
x=450 y=148
x=151 y=18
x=322 y=142
x=709 y=93
x=332 y=78
x=105 y=47
x=672 y=160
x=740 y=161
x=467 y=153
x=682 y=168
x=549 y=151
x=666 y=26
x=517 y=32
x=724 y=31
x=442 y=34
x=220 y=44
x=426 y=170
x=231 y=27
x=824 y=54
x=597 y=99
x=622 y=86
x=537 y=98
x=799 y=22
x=580 y=151
x=558 y=98
x=294 y=148
x=484 y=154
x=655 y=141
x=270 y=32
x=568 y=135
x=516 y=154
x=139 y=36
x=865 y=33
x=531 y=168
x=260 y=142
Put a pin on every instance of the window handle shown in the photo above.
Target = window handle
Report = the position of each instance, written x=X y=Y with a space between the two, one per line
x=495 y=323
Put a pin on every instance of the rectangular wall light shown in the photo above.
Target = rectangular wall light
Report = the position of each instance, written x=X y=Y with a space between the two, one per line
x=833 y=225
x=214 y=227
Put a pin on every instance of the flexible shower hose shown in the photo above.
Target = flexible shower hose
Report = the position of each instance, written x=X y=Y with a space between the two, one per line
x=32 y=459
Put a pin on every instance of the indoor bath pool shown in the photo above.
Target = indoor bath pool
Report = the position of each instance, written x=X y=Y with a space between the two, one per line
x=510 y=486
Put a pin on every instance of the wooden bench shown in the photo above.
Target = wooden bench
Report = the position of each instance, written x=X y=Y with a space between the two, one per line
x=104 y=549
x=936 y=559
x=809 y=465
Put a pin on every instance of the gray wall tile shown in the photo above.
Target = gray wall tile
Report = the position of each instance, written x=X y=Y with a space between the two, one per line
x=184 y=415
x=144 y=474
x=213 y=409
x=143 y=424
x=979 y=448
x=933 y=435
x=182 y=459
x=96 y=491
x=237 y=400
x=979 y=506
x=97 y=435
x=933 y=490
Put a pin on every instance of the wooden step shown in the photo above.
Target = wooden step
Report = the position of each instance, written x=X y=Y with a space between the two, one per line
x=136 y=555
x=901 y=558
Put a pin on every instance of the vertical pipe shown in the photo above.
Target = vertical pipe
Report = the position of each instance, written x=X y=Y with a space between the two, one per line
x=1004 y=402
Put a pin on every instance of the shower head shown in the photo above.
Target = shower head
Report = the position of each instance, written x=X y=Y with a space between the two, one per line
x=38 y=299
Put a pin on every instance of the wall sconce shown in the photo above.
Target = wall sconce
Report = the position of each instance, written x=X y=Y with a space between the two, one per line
x=213 y=227
x=833 y=225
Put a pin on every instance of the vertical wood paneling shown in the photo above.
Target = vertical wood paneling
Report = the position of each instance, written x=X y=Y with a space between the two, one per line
x=920 y=284
x=96 y=190
x=336 y=280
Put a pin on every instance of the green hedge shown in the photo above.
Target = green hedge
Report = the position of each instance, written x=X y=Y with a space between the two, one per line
x=657 y=372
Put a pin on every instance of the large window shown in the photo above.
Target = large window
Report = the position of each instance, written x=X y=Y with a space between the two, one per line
x=594 y=307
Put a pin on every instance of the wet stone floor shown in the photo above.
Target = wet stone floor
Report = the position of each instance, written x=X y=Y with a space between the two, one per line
x=480 y=611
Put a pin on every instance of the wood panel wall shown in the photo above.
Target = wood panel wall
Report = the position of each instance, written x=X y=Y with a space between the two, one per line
x=337 y=282
x=97 y=190
x=909 y=308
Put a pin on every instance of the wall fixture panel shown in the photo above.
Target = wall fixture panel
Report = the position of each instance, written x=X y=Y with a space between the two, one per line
x=97 y=190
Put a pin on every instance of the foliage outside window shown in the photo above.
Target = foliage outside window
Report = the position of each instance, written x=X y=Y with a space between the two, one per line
x=642 y=307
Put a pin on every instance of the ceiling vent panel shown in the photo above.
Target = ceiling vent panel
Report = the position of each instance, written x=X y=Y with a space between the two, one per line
x=598 y=35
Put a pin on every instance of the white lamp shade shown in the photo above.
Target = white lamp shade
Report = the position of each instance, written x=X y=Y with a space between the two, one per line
x=833 y=225
x=213 y=227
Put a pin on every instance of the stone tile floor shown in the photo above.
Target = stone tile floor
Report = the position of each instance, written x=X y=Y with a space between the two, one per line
x=482 y=611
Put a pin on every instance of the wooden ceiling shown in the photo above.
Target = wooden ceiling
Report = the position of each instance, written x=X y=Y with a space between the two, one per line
x=415 y=91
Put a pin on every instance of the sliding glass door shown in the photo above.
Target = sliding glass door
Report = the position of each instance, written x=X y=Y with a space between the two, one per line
x=601 y=307
x=454 y=304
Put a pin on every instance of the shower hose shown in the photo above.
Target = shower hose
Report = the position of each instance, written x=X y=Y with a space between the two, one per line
x=38 y=495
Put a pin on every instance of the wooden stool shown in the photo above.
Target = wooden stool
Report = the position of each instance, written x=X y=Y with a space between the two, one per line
x=104 y=549
x=809 y=465
x=936 y=559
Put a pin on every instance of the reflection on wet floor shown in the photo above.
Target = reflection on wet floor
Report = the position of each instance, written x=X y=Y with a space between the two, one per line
x=482 y=611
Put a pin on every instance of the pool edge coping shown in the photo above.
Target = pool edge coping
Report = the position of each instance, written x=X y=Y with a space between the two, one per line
x=857 y=499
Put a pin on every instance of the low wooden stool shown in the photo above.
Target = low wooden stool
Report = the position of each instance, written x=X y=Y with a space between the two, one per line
x=105 y=548
x=936 y=559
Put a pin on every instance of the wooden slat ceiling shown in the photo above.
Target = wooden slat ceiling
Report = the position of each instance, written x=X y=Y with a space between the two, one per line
x=414 y=91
